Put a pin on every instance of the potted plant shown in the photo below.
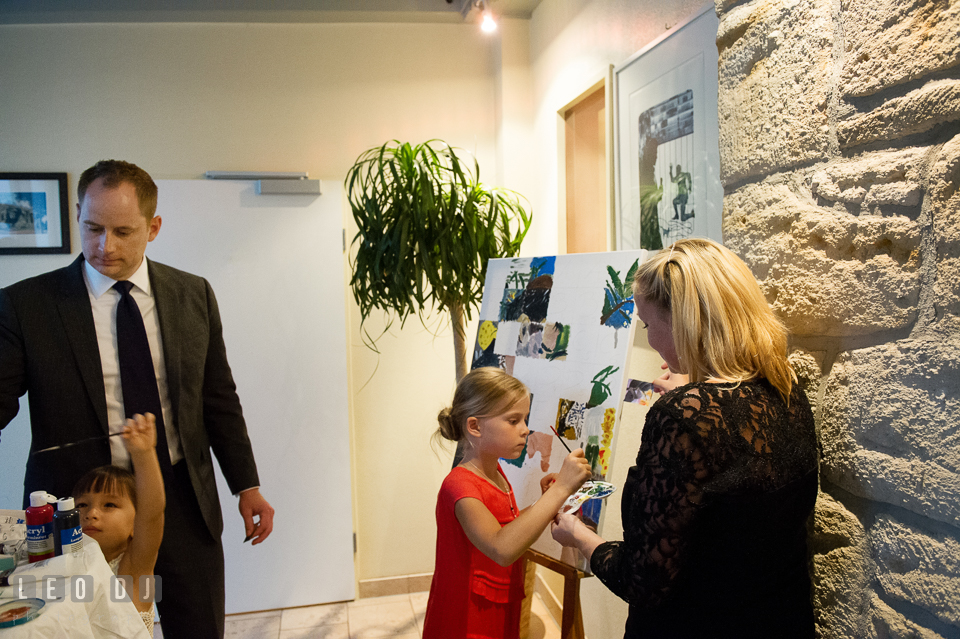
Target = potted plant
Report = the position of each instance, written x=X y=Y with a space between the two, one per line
x=427 y=228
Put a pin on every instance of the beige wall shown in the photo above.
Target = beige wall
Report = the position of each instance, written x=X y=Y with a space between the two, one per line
x=573 y=43
x=181 y=99
x=186 y=98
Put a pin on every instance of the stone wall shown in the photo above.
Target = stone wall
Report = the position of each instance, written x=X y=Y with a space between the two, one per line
x=840 y=156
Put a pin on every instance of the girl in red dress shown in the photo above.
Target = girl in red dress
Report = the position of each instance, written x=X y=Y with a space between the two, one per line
x=477 y=584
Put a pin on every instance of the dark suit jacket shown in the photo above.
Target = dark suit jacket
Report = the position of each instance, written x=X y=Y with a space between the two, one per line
x=48 y=347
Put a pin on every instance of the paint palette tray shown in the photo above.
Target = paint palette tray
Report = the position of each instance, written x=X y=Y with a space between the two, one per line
x=20 y=611
x=589 y=490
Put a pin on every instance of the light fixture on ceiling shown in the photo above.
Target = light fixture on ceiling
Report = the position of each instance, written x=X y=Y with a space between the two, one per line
x=487 y=23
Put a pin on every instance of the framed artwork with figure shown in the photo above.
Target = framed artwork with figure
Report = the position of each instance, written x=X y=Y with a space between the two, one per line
x=667 y=138
x=34 y=215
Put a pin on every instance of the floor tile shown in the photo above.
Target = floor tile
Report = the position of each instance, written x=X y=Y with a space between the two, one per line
x=384 y=620
x=334 y=631
x=542 y=625
x=313 y=616
x=259 y=627
x=391 y=617
x=419 y=602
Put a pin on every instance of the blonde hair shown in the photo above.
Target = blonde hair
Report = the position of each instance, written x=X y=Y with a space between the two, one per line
x=722 y=324
x=482 y=391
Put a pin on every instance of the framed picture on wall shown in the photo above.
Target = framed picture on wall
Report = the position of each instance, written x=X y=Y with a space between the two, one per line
x=34 y=216
x=666 y=138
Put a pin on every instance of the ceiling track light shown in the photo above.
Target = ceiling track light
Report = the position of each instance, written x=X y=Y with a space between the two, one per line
x=487 y=23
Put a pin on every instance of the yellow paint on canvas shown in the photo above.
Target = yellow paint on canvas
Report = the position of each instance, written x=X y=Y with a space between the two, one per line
x=609 y=416
x=486 y=334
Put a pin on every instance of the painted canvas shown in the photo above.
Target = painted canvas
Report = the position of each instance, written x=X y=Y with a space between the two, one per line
x=639 y=392
x=564 y=326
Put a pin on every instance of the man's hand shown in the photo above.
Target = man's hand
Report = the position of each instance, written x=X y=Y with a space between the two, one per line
x=253 y=504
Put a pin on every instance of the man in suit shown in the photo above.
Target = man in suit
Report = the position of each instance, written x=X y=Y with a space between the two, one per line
x=58 y=342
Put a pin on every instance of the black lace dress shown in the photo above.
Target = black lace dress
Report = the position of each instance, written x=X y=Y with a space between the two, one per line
x=714 y=516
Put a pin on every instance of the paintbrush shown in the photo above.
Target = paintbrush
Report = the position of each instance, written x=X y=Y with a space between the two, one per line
x=82 y=441
x=560 y=438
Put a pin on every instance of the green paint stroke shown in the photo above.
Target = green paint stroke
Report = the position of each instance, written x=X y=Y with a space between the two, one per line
x=560 y=348
x=601 y=389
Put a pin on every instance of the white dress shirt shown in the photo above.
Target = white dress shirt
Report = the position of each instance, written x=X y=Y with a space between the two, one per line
x=104 y=300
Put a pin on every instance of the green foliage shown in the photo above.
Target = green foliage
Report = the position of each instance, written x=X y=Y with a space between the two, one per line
x=427 y=228
x=619 y=294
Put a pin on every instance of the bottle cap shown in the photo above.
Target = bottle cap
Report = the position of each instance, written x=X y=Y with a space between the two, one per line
x=41 y=498
x=65 y=504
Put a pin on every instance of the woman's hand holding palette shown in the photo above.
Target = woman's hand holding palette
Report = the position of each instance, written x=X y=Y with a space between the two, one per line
x=589 y=490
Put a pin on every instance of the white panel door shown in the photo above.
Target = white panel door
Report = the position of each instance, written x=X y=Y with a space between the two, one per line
x=276 y=266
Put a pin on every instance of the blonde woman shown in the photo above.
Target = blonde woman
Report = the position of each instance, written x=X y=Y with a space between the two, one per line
x=715 y=510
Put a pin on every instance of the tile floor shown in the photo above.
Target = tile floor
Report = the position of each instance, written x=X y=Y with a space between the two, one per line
x=394 y=617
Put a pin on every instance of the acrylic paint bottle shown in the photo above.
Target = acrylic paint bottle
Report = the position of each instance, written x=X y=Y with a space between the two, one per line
x=40 y=526
x=67 y=533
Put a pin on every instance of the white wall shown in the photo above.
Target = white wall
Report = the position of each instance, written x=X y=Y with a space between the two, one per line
x=181 y=99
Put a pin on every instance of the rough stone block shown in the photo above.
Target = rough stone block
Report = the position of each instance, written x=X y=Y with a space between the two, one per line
x=945 y=200
x=773 y=100
x=873 y=180
x=841 y=570
x=918 y=111
x=720 y=6
x=889 y=42
x=825 y=272
x=808 y=366
x=887 y=623
x=888 y=423
x=918 y=567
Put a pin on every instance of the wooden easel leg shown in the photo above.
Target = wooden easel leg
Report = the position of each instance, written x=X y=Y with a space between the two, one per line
x=572 y=623
x=578 y=623
x=529 y=580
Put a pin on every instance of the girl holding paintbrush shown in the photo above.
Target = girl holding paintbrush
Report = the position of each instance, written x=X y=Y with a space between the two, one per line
x=477 y=586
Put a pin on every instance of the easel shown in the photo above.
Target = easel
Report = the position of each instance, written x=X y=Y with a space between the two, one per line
x=571 y=625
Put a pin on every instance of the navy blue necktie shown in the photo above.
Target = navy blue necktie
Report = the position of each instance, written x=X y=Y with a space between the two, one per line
x=137 y=377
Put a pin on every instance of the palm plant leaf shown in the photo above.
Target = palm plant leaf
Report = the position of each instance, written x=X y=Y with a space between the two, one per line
x=426 y=230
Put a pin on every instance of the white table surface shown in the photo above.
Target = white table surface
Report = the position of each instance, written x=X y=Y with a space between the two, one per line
x=69 y=618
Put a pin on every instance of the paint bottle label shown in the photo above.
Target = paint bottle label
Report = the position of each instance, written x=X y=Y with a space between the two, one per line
x=71 y=540
x=67 y=533
x=39 y=517
x=40 y=541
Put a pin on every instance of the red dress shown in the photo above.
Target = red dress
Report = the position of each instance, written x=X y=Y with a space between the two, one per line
x=471 y=595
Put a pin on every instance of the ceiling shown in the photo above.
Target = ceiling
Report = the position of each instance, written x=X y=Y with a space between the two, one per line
x=60 y=11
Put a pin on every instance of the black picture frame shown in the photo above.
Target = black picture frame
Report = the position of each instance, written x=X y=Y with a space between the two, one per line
x=34 y=214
